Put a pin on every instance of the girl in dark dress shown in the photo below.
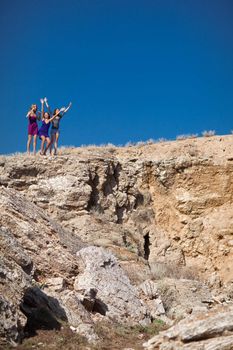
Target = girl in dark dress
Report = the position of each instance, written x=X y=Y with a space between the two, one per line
x=55 y=130
x=32 y=127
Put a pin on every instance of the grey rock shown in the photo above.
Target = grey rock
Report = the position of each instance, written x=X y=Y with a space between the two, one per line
x=212 y=331
x=115 y=297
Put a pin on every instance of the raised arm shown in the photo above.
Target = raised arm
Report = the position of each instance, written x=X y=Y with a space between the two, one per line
x=68 y=107
x=54 y=116
x=65 y=109
x=28 y=113
x=42 y=108
x=47 y=105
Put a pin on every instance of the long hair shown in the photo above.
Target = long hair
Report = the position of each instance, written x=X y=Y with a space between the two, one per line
x=54 y=112
x=32 y=106
x=47 y=113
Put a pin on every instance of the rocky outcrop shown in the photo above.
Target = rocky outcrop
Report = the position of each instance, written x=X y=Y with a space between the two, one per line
x=210 y=332
x=169 y=203
x=182 y=297
x=34 y=241
x=48 y=276
x=13 y=282
x=125 y=234
x=113 y=294
x=32 y=248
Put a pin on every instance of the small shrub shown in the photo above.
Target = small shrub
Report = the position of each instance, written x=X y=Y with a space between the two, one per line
x=162 y=139
x=150 y=142
x=208 y=133
x=129 y=144
x=181 y=137
x=92 y=146
x=106 y=145
x=188 y=136
x=152 y=329
x=131 y=248
x=109 y=144
x=140 y=143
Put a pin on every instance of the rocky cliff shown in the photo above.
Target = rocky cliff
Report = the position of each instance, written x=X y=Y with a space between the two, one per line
x=128 y=234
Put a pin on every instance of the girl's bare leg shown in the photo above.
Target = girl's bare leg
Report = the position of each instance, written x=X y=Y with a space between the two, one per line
x=29 y=143
x=42 y=145
x=48 y=144
x=56 y=142
x=34 y=144
x=52 y=143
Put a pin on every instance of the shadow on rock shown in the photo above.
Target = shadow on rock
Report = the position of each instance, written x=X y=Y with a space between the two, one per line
x=100 y=307
x=42 y=311
x=93 y=304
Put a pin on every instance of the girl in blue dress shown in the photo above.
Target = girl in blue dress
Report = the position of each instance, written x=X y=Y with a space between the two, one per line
x=43 y=132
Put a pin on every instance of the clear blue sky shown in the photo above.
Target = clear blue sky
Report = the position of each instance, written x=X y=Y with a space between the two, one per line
x=134 y=70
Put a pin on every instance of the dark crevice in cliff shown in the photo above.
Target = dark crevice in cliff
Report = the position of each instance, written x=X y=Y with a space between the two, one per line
x=94 y=197
x=17 y=172
x=139 y=200
x=28 y=268
x=147 y=246
x=120 y=213
x=112 y=180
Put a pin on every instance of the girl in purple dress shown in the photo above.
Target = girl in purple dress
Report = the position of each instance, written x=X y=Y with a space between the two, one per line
x=32 y=127
x=43 y=132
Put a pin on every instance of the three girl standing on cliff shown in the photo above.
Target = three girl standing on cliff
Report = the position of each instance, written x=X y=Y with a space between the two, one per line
x=43 y=132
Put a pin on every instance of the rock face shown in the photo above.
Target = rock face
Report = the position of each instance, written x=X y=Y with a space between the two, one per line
x=169 y=203
x=212 y=332
x=117 y=233
x=114 y=296
x=31 y=249
x=184 y=296
x=13 y=283
x=45 y=281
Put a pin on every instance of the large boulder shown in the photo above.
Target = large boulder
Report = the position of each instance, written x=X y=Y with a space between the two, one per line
x=114 y=295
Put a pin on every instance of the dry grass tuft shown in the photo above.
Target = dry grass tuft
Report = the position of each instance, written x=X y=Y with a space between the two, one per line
x=150 y=142
x=160 y=271
x=208 y=133
x=186 y=136
x=117 y=336
x=112 y=336
x=129 y=144
x=162 y=139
